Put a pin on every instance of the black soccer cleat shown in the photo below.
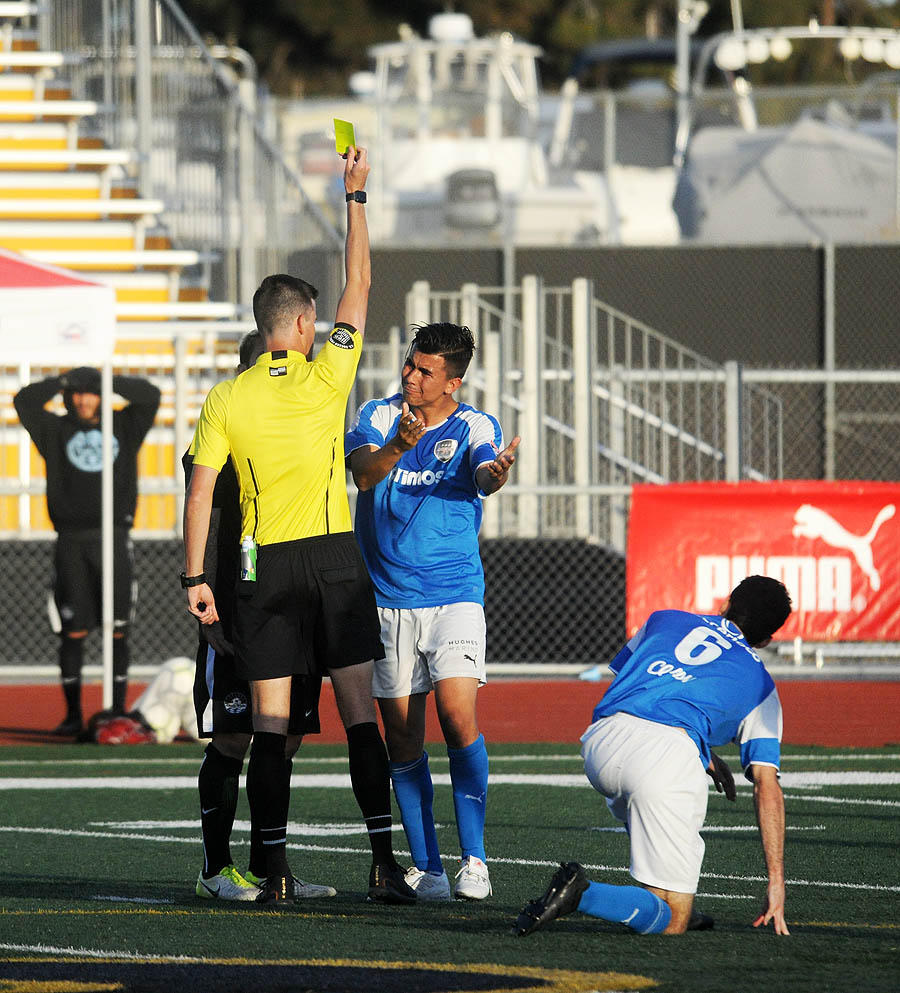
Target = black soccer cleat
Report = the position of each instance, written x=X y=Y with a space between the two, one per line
x=700 y=922
x=68 y=728
x=277 y=889
x=561 y=897
x=388 y=885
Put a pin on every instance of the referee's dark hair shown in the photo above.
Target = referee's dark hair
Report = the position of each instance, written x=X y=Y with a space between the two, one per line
x=455 y=343
x=279 y=299
x=759 y=605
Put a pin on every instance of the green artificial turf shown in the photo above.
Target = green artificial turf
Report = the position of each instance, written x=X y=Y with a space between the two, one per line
x=98 y=884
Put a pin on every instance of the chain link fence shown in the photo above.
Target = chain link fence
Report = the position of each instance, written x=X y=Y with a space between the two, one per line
x=618 y=365
x=601 y=400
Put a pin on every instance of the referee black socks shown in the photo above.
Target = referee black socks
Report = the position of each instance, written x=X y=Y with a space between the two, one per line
x=268 y=793
x=370 y=777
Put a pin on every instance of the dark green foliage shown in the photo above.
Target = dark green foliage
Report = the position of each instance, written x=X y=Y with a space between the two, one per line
x=305 y=49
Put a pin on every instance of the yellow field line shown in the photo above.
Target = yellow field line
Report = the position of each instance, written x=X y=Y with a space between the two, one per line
x=848 y=924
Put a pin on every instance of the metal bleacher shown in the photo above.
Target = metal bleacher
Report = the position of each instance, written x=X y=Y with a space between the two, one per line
x=67 y=200
x=133 y=154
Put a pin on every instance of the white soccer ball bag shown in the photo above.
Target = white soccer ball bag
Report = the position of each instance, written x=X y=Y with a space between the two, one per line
x=167 y=704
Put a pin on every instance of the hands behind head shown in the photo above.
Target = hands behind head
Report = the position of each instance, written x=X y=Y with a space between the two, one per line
x=84 y=379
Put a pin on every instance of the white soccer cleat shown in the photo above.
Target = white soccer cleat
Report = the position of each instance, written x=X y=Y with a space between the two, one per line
x=229 y=884
x=472 y=880
x=311 y=891
x=302 y=891
x=428 y=885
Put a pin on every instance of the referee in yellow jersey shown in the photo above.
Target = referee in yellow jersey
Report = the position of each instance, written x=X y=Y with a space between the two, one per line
x=307 y=608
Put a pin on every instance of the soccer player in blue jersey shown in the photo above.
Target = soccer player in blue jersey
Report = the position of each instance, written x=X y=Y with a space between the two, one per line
x=423 y=462
x=683 y=683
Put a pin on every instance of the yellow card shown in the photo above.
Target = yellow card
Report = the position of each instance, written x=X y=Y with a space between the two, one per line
x=343 y=136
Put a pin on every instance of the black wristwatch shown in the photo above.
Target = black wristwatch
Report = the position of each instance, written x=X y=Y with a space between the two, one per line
x=188 y=581
x=359 y=196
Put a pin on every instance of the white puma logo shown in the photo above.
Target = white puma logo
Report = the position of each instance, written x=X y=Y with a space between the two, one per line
x=811 y=522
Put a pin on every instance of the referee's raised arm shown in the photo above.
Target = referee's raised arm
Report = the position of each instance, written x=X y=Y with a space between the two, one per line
x=354 y=302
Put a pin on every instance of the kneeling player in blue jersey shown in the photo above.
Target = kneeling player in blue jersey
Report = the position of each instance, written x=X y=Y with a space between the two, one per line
x=683 y=683
x=423 y=462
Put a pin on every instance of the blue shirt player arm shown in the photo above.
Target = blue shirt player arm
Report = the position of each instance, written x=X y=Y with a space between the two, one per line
x=759 y=735
x=485 y=450
x=616 y=666
x=373 y=443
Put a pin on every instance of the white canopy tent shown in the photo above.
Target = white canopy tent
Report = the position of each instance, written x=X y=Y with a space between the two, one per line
x=53 y=317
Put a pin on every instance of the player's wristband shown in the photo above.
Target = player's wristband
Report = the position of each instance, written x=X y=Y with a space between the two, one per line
x=359 y=196
x=188 y=581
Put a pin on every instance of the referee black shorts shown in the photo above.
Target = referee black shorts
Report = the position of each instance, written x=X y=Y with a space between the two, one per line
x=311 y=609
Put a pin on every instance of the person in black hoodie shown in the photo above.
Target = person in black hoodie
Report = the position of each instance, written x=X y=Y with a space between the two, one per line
x=71 y=445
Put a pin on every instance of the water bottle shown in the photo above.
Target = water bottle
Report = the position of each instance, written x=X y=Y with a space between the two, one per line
x=248 y=559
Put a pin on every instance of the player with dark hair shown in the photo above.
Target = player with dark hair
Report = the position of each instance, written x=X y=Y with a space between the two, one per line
x=305 y=604
x=683 y=683
x=423 y=462
x=72 y=447
x=222 y=699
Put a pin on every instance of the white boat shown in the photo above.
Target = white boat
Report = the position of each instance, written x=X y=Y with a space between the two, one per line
x=800 y=164
x=452 y=127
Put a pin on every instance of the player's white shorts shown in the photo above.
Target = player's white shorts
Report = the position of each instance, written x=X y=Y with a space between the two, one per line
x=423 y=645
x=654 y=782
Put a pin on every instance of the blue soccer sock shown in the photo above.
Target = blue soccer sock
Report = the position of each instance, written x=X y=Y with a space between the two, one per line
x=633 y=906
x=415 y=796
x=469 y=776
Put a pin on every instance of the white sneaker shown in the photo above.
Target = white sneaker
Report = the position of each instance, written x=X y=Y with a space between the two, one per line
x=229 y=884
x=428 y=885
x=302 y=891
x=472 y=880
x=311 y=891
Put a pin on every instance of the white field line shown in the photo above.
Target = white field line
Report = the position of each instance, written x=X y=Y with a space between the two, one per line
x=495 y=860
x=321 y=830
x=127 y=899
x=717 y=828
x=346 y=829
x=818 y=798
x=795 y=780
x=98 y=953
x=574 y=757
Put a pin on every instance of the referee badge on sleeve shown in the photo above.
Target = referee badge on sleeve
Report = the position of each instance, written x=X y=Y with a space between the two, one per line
x=342 y=337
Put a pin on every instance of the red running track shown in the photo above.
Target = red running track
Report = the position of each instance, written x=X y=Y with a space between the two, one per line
x=833 y=713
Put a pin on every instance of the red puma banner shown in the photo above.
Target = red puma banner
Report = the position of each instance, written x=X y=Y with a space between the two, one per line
x=836 y=546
